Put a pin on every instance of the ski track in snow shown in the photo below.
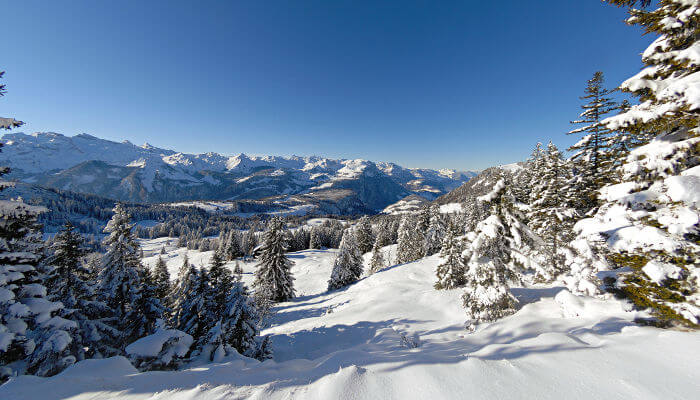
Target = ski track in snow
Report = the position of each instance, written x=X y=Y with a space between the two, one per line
x=360 y=343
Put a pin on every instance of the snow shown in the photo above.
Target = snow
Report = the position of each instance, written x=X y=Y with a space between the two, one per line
x=684 y=188
x=208 y=206
x=451 y=208
x=407 y=205
x=355 y=343
x=152 y=345
x=658 y=272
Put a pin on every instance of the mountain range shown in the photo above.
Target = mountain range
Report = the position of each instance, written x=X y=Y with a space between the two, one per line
x=147 y=174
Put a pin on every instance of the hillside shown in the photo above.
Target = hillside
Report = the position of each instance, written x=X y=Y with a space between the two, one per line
x=367 y=341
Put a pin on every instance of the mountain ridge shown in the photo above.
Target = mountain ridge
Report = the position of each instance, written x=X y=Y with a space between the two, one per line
x=128 y=172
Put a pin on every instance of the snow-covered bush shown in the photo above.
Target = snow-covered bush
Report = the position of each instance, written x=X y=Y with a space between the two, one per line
x=163 y=350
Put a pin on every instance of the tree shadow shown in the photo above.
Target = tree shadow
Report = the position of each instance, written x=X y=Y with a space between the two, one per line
x=533 y=295
x=305 y=356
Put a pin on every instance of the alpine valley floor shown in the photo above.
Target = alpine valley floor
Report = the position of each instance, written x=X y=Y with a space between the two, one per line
x=392 y=336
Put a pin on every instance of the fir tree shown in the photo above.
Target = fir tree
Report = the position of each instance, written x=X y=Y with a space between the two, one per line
x=236 y=328
x=549 y=217
x=195 y=313
x=435 y=233
x=363 y=233
x=499 y=249
x=122 y=280
x=347 y=267
x=592 y=166
x=69 y=281
x=377 y=262
x=451 y=273
x=410 y=240
x=664 y=126
x=161 y=278
x=34 y=336
x=273 y=278
x=221 y=281
x=315 y=239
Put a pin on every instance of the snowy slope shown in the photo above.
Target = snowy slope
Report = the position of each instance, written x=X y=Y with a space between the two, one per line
x=392 y=336
x=127 y=172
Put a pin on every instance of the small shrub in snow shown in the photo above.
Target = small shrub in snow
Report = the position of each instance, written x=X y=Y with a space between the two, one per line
x=163 y=350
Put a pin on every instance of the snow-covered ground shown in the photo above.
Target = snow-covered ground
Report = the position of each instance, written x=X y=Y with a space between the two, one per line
x=392 y=336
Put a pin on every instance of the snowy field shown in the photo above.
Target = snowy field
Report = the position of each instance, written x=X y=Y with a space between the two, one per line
x=392 y=336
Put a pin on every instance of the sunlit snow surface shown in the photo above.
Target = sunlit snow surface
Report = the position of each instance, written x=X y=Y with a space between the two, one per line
x=348 y=344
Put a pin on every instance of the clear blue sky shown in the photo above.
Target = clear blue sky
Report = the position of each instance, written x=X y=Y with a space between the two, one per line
x=463 y=84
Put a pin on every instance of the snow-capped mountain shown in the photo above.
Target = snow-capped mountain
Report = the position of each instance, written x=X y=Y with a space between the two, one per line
x=128 y=172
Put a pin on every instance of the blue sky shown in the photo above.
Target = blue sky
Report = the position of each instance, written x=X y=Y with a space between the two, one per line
x=463 y=84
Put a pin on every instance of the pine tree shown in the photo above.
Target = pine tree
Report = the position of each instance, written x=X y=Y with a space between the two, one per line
x=435 y=233
x=410 y=241
x=249 y=242
x=363 y=233
x=34 y=339
x=230 y=248
x=347 y=267
x=499 y=249
x=184 y=284
x=69 y=281
x=161 y=278
x=656 y=176
x=195 y=313
x=236 y=328
x=315 y=239
x=273 y=278
x=451 y=273
x=549 y=216
x=377 y=262
x=122 y=281
x=383 y=234
x=221 y=281
x=593 y=169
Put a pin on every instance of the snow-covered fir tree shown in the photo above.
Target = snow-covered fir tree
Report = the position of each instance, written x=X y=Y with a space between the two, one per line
x=315 y=239
x=498 y=251
x=123 y=282
x=195 y=313
x=347 y=267
x=33 y=337
x=273 y=277
x=69 y=280
x=230 y=245
x=549 y=216
x=377 y=261
x=451 y=273
x=384 y=234
x=161 y=279
x=221 y=281
x=236 y=327
x=655 y=208
x=410 y=240
x=435 y=233
x=363 y=233
x=590 y=160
